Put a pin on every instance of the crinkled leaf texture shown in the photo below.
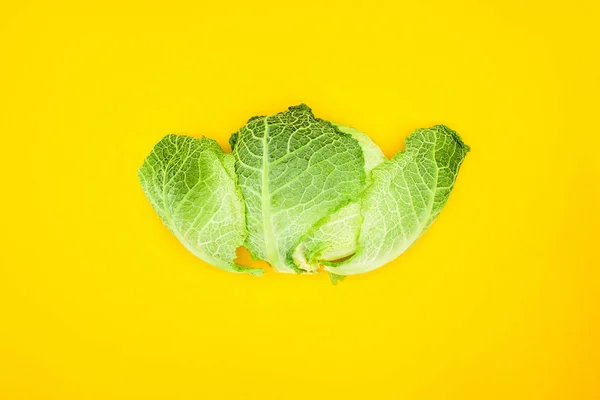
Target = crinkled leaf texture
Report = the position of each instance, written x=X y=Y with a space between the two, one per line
x=300 y=192
x=336 y=236
x=294 y=170
x=405 y=196
x=191 y=185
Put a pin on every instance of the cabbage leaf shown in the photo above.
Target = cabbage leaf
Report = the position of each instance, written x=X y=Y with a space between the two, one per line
x=191 y=186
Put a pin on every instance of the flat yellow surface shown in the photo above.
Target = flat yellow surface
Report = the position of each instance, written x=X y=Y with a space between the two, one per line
x=498 y=300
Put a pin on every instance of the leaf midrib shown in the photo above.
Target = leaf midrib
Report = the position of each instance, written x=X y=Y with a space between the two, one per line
x=271 y=248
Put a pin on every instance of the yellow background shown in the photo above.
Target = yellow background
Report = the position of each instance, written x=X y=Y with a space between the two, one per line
x=498 y=300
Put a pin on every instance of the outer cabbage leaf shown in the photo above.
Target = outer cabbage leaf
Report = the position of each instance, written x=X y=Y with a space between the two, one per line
x=336 y=236
x=406 y=195
x=191 y=185
x=294 y=170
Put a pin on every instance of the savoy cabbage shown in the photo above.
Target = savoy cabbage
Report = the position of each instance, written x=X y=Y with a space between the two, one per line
x=301 y=193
